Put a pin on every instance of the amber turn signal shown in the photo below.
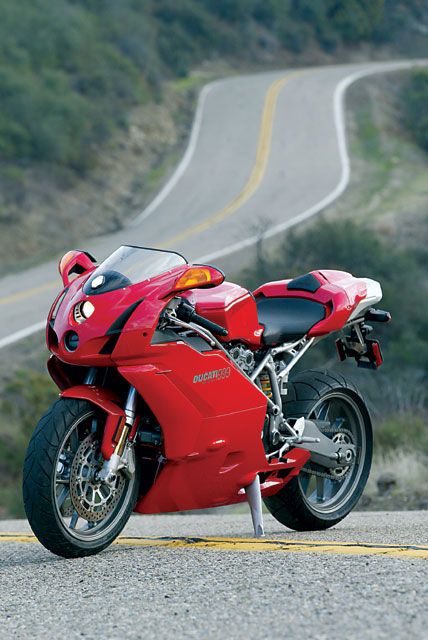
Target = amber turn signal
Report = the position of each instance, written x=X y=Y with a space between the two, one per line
x=196 y=277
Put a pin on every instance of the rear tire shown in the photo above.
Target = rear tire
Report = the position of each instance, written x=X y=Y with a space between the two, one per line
x=65 y=446
x=299 y=505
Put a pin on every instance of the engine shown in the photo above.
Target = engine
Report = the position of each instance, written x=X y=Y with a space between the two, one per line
x=243 y=357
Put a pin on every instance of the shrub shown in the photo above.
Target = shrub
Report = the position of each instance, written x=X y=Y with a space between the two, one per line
x=408 y=433
x=350 y=247
x=26 y=398
x=71 y=70
x=414 y=100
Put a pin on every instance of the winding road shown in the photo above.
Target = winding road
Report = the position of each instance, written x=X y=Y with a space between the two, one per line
x=266 y=152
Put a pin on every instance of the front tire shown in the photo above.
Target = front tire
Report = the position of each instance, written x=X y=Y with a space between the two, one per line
x=70 y=512
x=311 y=500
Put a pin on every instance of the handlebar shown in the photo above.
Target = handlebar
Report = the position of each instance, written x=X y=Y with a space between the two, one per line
x=211 y=326
x=186 y=311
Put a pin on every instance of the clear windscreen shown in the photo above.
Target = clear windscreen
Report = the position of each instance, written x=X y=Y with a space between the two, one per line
x=130 y=265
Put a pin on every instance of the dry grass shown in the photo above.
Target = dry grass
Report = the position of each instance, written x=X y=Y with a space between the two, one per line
x=409 y=468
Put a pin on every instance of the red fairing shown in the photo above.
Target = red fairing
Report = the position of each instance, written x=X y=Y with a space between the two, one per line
x=107 y=401
x=339 y=292
x=210 y=414
x=135 y=336
x=207 y=427
x=212 y=429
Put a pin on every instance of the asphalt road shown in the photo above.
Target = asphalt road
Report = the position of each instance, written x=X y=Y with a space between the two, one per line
x=160 y=592
x=267 y=151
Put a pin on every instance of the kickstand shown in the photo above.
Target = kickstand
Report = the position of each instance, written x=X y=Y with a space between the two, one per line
x=254 y=498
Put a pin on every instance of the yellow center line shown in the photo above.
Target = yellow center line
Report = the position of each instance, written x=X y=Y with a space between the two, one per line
x=251 y=186
x=257 y=173
x=252 y=544
x=21 y=295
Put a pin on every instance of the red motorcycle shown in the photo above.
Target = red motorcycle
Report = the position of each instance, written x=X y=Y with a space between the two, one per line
x=175 y=395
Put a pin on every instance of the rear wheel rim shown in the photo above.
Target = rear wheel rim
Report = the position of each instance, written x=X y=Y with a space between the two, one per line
x=75 y=490
x=325 y=496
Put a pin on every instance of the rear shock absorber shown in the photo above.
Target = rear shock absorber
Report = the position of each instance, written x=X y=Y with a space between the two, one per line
x=265 y=384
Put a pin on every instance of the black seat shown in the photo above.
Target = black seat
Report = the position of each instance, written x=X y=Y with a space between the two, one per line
x=287 y=319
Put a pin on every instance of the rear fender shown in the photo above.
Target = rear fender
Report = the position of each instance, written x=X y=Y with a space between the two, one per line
x=107 y=401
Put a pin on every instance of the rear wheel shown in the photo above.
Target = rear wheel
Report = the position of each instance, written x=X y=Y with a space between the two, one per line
x=70 y=511
x=319 y=498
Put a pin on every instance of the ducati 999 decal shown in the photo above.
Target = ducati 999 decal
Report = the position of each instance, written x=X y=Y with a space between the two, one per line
x=211 y=376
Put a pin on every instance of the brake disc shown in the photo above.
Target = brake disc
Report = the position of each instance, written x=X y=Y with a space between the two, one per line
x=93 y=500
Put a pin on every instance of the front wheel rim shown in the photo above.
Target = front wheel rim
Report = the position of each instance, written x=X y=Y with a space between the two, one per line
x=326 y=496
x=75 y=491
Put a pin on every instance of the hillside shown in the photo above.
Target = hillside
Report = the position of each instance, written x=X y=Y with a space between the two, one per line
x=95 y=104
x=379 y=226
x=384 y=238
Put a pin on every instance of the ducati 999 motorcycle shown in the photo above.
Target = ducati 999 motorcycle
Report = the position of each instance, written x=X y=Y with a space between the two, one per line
x=175 y=394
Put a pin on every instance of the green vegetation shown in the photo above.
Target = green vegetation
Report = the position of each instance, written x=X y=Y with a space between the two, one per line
x=414 y=98
x=27 y=395
x=389 y=243
x=405 y=432
x=70 y=70
x=396 y=393
x=351 y=247
x=82 y=82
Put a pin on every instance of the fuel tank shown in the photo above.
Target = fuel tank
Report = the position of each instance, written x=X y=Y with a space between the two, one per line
x=232 y=307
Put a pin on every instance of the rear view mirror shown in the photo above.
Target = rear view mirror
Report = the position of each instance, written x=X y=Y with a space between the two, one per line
x=75 y=263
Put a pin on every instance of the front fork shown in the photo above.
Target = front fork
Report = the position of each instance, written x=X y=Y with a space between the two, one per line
x=122 y=456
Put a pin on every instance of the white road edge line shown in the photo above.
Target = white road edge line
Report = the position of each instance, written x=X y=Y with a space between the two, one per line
x=339 y=117
x=23 y=333
x=185 y=161
x=165 y=191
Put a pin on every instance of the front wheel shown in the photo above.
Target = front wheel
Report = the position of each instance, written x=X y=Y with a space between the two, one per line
x=319 y=498
x=69 y=510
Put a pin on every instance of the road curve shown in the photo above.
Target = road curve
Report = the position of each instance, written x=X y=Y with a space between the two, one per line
x=130 y=591
x=266 y=150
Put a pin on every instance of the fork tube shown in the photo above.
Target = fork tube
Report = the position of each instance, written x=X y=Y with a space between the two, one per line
x=90 y=376
x=130 y=407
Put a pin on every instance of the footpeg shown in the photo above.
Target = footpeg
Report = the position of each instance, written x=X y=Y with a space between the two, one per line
x=254 y=497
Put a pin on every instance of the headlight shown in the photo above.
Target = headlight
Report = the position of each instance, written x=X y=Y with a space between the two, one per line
x=87 y=309
x=83 y=311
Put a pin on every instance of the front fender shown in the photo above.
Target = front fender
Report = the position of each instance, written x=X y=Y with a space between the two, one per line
x=107 y=401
